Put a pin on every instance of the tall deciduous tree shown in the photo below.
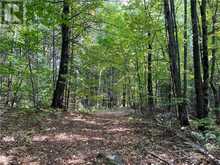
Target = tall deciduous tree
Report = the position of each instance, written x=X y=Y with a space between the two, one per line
x=197 y=61
x=205 y=58
x=213 y=66
x=149 y=77
x=185 y=52
x=58 y=95
x=173 y=51
x=201 y=87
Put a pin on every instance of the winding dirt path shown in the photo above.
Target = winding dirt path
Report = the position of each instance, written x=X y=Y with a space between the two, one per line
x=74 y=138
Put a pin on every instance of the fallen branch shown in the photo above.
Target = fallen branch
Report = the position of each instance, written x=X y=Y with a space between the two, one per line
x=197 y=147
x=154 y=155
x=203 y=151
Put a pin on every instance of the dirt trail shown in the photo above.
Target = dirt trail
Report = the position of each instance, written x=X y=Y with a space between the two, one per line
x=74 y=138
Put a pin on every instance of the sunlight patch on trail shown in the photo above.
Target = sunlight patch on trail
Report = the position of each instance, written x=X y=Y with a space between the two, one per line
x=116 y=130
x=80 y=119
x=4 y=160
x=67 y=137
x=75 y=160
x=8 y=139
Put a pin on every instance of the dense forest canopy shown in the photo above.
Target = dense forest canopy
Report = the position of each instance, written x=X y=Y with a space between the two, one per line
x=147 y=55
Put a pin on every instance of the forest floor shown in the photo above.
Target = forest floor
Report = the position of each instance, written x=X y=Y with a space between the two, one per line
x=81 y=138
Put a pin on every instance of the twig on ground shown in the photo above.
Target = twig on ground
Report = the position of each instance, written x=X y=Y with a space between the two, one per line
x=154 y=155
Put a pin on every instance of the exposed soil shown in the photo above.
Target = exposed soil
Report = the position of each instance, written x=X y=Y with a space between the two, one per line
x=76 y=138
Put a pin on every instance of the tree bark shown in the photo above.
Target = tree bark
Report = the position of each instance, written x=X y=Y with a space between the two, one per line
x=205 y=59
x=173 y=51
x=33 y=82
x=140 y=89
x=197 y=62
x=54 y=59
x=58 y=96
x=124 y=96
x=213 y=66
x=185 y=53
x=149 y=77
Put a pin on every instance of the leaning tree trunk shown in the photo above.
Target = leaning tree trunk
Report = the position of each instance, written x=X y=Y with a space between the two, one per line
x=58 y=96
x=197 y=62
x=173 y=51
x=205 y=58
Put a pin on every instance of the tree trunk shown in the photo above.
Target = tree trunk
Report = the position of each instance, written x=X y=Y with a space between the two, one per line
x=129 y=93
x=205 y=59
x=58 y=96
x=10 y=82
x=213 y=66
x=33 y=82
x=185 y=53
x=124 y=96
x=173 y=51
x=99 y=88
x=54 y=59
x=140 y=90
x=197 y=62
x=149 y=78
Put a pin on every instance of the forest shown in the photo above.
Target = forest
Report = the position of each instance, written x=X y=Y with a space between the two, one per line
x=109 y=82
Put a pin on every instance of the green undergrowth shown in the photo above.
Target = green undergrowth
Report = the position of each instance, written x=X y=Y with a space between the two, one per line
x=210 y=132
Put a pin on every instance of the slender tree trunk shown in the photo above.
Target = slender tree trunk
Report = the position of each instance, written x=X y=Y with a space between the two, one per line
x=54 y=59
x=213 y=64
x=129 y=93
x=173 y=50
x=124 y=96
x=15 y=93
x=99 y=88
x=170 y=91
x=34 y=93
x=9 y=86
x=149 y=75
x=205 y=59
x=67 y=96
x=58 y=96
x=10 y=81
x=185 y=52
x=149 y=78
x=140 y=93
x=172 y=5
x=197 y=62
